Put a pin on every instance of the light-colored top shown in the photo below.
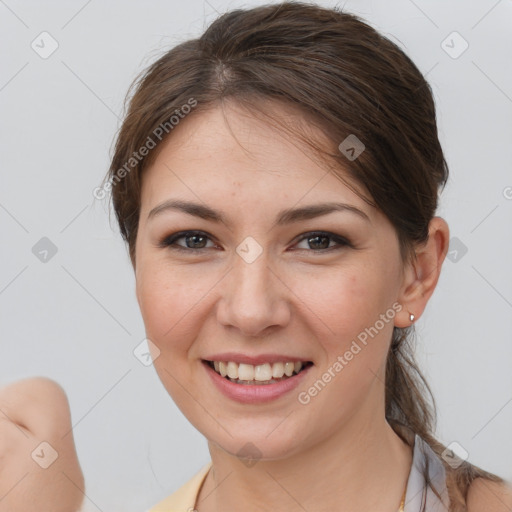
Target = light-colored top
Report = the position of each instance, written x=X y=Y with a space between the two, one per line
x=184 y=499
x=419 y=496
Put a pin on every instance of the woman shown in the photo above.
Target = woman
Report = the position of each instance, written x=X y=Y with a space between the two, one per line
x=276 y=181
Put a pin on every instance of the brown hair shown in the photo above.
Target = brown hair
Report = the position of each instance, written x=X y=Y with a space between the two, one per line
x=345 y=78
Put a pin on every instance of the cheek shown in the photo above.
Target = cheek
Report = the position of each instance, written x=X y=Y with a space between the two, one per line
x=170 y=305
x=345 y=299
x=347 y=304
x=354 y=339
x=167 y=302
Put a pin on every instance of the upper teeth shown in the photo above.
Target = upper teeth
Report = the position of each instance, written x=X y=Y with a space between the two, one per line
x=260 y=372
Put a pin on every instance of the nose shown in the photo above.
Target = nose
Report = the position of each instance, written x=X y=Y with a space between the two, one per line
x=255 y=299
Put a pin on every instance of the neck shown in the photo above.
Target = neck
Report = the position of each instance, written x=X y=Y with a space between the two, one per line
x=361 y=467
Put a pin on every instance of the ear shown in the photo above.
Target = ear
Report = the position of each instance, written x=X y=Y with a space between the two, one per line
x=422 y=273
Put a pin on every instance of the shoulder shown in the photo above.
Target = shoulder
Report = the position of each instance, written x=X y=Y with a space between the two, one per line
x=487 y=496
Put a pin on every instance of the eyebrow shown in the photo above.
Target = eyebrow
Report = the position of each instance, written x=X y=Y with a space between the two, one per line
x=286 y=216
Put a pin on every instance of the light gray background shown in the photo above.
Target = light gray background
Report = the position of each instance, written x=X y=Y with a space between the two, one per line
x=75 y=318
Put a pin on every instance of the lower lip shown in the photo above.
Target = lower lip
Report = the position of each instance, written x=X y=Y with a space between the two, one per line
x=255 y=393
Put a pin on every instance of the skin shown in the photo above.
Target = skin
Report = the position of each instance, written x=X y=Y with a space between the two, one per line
x=33 y=411
x=293 y=299
x=484 y=495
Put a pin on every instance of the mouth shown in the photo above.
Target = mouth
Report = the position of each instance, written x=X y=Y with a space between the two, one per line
x=258 y=375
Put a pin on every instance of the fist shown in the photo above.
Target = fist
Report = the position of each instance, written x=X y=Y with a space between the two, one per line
x=39 y=468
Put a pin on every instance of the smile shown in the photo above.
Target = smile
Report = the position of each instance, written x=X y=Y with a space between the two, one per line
x=261 y=374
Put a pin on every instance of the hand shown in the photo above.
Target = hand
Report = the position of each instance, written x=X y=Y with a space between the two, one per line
x=35 y=411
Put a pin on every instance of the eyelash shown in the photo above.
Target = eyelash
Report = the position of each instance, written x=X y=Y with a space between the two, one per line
x=170 y=241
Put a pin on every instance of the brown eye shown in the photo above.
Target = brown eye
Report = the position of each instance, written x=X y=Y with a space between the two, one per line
x=320 y=241
x=194 y=241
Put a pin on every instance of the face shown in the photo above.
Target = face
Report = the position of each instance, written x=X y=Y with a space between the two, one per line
x=242 y=278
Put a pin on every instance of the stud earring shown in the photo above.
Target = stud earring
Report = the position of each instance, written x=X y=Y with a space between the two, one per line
x=411 y=317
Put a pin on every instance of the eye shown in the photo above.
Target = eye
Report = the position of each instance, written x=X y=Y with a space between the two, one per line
x=194 y=241
x=319 y=241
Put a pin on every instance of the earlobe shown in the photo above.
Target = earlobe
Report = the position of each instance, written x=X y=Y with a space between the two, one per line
x=422 y=274
x=407 y=298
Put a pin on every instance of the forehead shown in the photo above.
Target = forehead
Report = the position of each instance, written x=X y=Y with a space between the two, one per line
x=232 y=139
x=230 y=142
x=228 y=151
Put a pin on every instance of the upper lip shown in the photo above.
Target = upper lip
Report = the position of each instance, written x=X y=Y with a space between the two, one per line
x=256 y=359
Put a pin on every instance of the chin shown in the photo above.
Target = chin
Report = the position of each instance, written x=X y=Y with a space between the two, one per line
x=256 y=443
